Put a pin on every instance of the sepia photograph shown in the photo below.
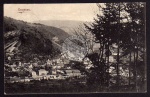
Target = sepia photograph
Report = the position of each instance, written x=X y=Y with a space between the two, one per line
x=74 y=48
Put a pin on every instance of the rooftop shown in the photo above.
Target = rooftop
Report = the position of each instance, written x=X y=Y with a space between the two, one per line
x=42 y=70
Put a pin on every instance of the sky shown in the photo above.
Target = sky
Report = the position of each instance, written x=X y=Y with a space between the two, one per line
x=37 y=12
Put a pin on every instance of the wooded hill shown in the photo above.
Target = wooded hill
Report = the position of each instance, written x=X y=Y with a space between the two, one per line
x=34 y=37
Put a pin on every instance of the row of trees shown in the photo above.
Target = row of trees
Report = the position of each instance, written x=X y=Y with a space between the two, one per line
x=122 y=24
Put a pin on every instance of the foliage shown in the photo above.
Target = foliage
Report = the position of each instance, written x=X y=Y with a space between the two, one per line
x=122 y=24
x=34 y=38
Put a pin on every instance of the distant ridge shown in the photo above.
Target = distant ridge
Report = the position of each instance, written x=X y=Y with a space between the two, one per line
x=67 y=25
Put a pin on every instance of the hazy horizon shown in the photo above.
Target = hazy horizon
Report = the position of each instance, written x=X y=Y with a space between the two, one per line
x=38 y=21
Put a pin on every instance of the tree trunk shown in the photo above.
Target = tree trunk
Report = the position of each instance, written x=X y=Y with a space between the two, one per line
x=134 y=72
x=108 y=79
x=130 y=69
x=136 y=62
x=102 y=52
x=136 y=69
x=117 y=67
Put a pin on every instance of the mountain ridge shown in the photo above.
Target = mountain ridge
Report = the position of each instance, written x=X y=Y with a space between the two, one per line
x=34 y=38
x=68 y=26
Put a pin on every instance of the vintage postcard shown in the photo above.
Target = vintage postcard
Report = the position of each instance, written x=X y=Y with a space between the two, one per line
x=75 y=48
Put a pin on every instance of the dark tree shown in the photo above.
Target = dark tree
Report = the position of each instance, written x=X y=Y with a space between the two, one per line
x=122 y=24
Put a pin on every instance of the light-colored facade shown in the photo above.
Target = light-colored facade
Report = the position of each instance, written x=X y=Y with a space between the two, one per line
x=42 y=72
x=33 y=74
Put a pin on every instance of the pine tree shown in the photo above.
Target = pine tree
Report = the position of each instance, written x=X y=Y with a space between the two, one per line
x=122 y=24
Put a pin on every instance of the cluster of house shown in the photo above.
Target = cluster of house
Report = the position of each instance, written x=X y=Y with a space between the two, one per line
x=56 y=74
x=44 y=74
x=57 y=71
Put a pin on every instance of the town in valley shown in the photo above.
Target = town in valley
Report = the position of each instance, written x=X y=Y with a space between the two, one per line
x=75 y=50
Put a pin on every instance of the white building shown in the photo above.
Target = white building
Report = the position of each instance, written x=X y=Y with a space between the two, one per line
x=54 y=71
x=49 y=62
x=42 y=72
x=96 y=46
x=30 y=66
x=33 y=73
x=89 y=66
x=20 y=64
x=111 y=59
